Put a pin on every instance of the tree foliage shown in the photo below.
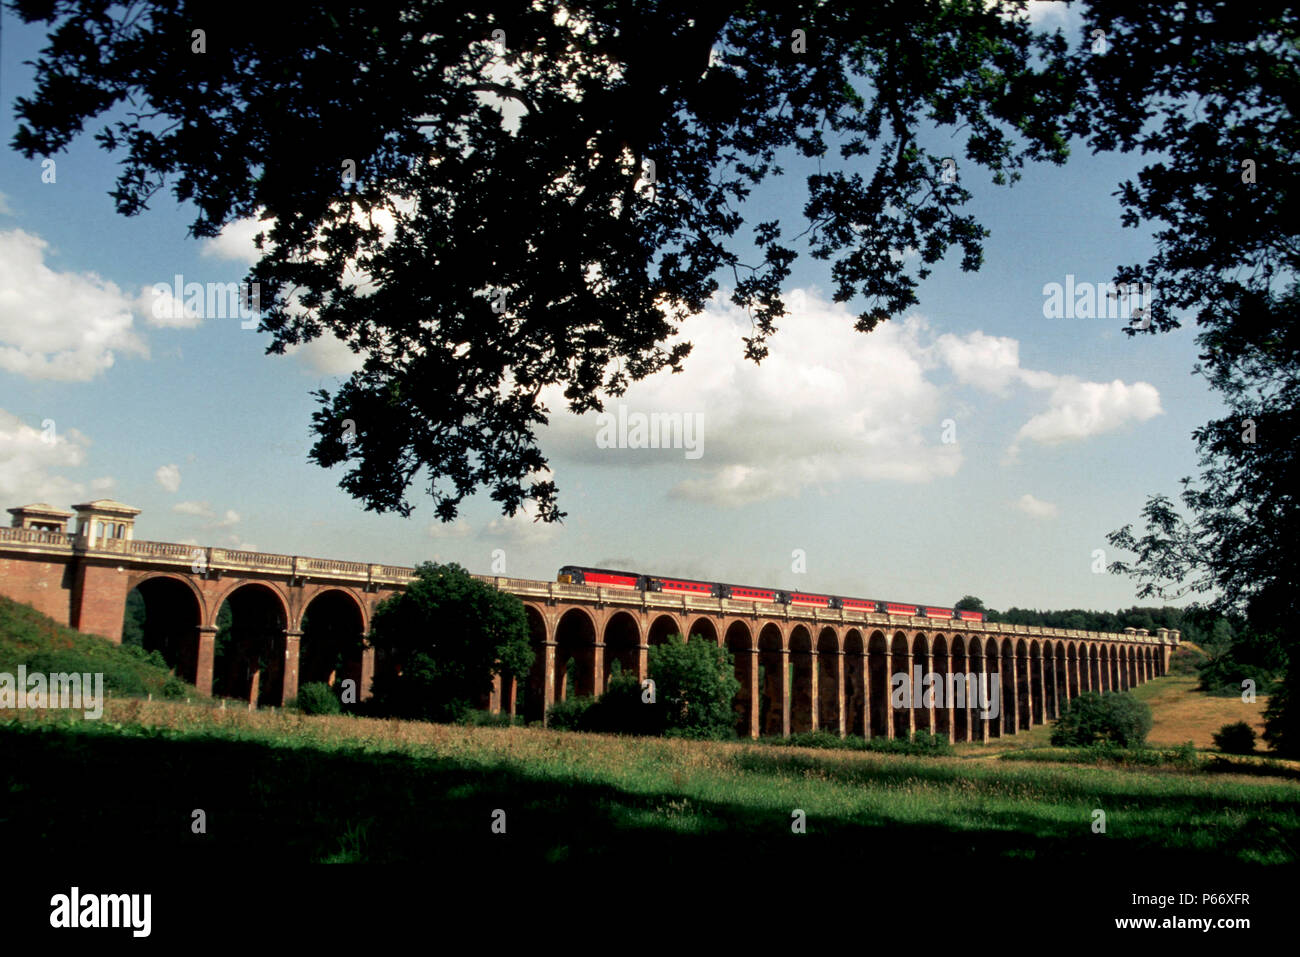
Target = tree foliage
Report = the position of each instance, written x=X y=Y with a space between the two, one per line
x=1216 y=100
x=542 y=194
x=442 y=640
x=695 y=684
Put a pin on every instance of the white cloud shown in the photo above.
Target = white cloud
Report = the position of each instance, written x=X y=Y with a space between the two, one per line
x=30 y=459
x=520 y=529
x=1036 y=507
x=236 y=241
x=1076 y=409
x=1079 y=410
x=160 y=308
x=829 y=404
x=441 y=531
x=59 y=325
x=1048 y=13
x=169 y=477
x=327 y=355
x=987 y=362
x=204 y=510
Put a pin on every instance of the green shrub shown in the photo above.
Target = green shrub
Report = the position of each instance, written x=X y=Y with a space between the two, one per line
x=622 y=709
x=486 y=719
x=173 y=688
x=1113 y=717
x=567 y=715
x=316 y=697
x=920 y=744
x=1235 y=738
x=817 y=739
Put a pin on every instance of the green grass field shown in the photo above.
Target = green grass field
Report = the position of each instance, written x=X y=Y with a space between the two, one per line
x=277 y=787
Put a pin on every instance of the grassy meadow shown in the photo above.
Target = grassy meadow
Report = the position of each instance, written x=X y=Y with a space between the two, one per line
x=305 y=789
x=281 y=787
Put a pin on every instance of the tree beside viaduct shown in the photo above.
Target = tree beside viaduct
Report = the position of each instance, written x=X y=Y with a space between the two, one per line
x=799 y=668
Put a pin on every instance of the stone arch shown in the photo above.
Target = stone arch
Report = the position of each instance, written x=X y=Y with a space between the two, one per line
x=532 y=703
x=330 y=647
x=622 y=637
x=962 y=687
x=802 y=680
x=739 y=640
x=168 y=611
x=854 y=694
x=575 y=640
x=900 y=659
x=1103 y=656
x=772 y=660
x=706 y=628
x=1094 y=667
x=1024 y=704
x=830 y=682
x=941 y=667
x=1010 y=717
x=661 y=626
x=878 y=676
x=922 y=695
x=1038 y=691
x=249 y=650
x=1060 y=680
x=988 y=663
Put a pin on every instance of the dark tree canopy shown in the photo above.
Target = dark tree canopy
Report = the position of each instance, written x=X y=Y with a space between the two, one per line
x=1216 y=101
x=473 y=264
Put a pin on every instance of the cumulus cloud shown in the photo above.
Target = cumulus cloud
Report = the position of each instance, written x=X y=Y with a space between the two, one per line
x=59 y=325
x=1036 y=507
x=1079 y=410
x=205 y=511
x=444 y=531
x=237 y=241
x=160 y=308
x=327 y=355
x=1076 y=410
x=31 y=458
x=828 y=405
x=986 y=362
x=520 y=529
x=168 y=477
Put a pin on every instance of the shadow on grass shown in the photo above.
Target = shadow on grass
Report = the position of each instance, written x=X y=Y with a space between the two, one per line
x=132 y=798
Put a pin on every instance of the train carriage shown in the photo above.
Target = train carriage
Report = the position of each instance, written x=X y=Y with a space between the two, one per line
x=609 y=578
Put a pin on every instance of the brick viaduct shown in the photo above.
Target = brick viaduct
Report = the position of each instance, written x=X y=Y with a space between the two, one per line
x=838 y=663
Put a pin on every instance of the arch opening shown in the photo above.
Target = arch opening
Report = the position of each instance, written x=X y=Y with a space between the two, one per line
x=249 y=646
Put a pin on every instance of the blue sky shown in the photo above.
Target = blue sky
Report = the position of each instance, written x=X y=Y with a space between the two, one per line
x=834 y=447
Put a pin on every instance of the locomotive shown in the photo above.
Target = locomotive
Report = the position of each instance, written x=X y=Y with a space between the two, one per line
x=608 y=578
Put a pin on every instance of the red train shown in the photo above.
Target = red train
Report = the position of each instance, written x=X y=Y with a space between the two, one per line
x=578 y=575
